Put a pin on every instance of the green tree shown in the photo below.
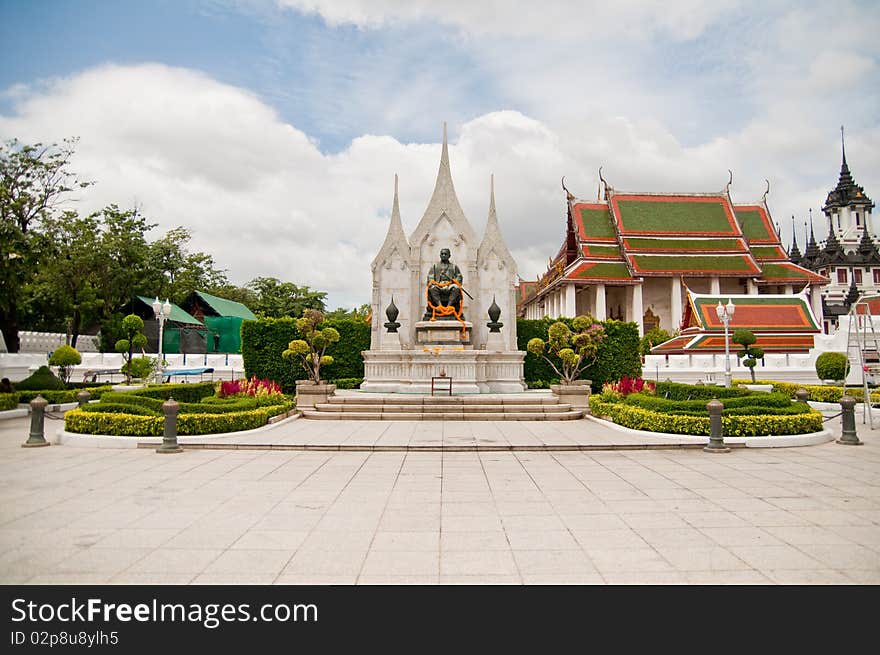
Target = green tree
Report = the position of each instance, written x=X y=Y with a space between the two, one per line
x=276 y=299
x=133 y=337
x=653 y=337
x=342 y=313
x=34 y=182
x=64 y=295
x=749 y=354
x=175 y=271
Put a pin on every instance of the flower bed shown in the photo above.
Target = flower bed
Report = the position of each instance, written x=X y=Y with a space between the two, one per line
x=139 y=413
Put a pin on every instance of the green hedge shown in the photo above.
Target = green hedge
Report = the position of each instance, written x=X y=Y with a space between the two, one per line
x=348 y=383
x=61 y=397
x=119 y=408
x=182 y=393
x=618 y=353
x=679 y=391
x=8 y=401
x=638 y=418
x=819 y=393
x=155 y=404
x=263 y=341
x=122 y=424
x=42 y=378
x=660 y=404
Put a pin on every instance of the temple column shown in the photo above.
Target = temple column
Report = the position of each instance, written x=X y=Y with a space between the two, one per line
x=816 y=304
x=751 y=287
x=600 y=303
x=715 y=285
x=675 y=304
x=570 y=300
x=637 y=309
x=788 y=289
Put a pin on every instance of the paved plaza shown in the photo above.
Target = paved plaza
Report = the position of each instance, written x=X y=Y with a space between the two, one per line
x=808 y=515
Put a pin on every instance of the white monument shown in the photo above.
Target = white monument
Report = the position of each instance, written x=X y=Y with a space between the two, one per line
x=426 y=328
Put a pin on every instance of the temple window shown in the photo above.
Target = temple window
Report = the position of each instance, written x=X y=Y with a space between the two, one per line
x=841 y=276
x=857 y=274
x=858 y=220
x=876 y=275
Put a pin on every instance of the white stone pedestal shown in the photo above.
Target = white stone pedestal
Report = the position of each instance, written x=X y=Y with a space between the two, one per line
x=472 y=371
x=443 y=333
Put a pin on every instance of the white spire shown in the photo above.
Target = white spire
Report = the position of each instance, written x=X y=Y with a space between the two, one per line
x=395 y=237
x=443 y=201
x=492 y=237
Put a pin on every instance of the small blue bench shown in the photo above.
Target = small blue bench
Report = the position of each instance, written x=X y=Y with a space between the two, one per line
x=168 y=373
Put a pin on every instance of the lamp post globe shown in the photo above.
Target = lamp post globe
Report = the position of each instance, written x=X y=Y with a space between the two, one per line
x=162 y=311
x=725 y=314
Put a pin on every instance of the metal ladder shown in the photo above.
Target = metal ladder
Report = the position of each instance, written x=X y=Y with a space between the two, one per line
x=863 y=348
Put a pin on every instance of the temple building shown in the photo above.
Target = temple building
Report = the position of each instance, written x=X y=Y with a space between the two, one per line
x=635 y=257
x=848 y=257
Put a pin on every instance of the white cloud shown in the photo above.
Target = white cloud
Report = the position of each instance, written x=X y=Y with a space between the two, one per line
x=261 y=197
x=678 y=18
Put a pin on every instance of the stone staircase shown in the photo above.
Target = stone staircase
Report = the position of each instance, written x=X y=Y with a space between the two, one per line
x=444 y=408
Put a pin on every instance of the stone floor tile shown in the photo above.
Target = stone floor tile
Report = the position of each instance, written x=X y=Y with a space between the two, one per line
x=406 y=541
x=605 y=539
x=398 y=579
x=645 y=577
x=807 y=577
x=398 y=562
x=480 y=579
x=741 y=536
x=798 y=535
x=201 y=538
x=541 y=540
x=496 y=540
x=477 y=563
x=701 y=558
x=175 y=560
x=270 y=540
x=843 y=556
x=768 y=558
x=325 y=563
x=553 y=562
x=627 y=560
x=250 y=561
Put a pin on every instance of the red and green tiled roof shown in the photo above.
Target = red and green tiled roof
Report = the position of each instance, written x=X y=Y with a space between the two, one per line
x=601 y=251
x=769 y=253
x=594 y=222
x=767 y=313
x=756 y=225
x=646 y=244
x=674 y=215
x=601 y=271
x=788 y=273
x=720 y=265
x=714 y=344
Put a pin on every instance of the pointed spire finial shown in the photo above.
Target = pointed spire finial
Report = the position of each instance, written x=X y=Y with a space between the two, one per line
x=842 y=145
x=444 y=157
x=396 y=224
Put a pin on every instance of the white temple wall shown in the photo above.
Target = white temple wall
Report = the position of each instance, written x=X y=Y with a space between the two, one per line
x=496 y=281
x=393 y=282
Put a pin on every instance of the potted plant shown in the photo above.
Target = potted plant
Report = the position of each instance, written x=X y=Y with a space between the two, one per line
x=575 y=350
x=310 y=351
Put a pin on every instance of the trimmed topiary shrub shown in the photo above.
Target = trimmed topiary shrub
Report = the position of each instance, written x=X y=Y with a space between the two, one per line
x=39 y=380
x=182 y=393
x=832 y=366
x=679 y=391
x=8 y=401
x=348 y=383
x=750 y=354
x=65 y=358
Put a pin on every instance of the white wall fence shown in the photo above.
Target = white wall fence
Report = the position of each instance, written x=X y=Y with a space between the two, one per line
x=46 y=342
x=18 y=366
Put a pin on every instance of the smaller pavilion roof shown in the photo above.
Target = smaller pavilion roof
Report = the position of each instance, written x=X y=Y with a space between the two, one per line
x=781 y=323
x=222 y=306
x=178 y=315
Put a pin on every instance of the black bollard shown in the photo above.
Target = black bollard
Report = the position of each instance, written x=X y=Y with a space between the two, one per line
x=36 y=438
x=83 y=397
x=802 y=395
x=169 y=440
x=716 y=431
x=848 y=436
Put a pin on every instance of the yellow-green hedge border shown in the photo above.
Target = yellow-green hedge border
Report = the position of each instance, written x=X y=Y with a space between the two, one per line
x=819 y=393
x=637 y=418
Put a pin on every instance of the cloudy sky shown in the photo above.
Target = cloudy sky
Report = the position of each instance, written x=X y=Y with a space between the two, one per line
x=272 y=129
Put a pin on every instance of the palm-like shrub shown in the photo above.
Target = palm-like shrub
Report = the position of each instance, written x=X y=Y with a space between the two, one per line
x=311 y=349
x=132 y=326
x=750 y=354
x=575 y=349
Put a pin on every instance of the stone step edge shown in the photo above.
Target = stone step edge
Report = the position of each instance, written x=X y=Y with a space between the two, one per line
x=468 y=409
x=366 y=448
x=445 y=400
x=441 y=416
